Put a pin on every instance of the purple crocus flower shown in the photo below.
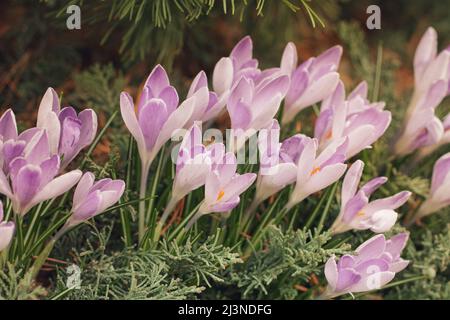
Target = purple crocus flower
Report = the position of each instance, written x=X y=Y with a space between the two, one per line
x=356 y=210
x=317 y=171
x=253 y=104
x=193 y=163
x=278 y=161
x=439 y=196
x=431 y=85
x=229 y=70
x=68 y=131
x=92 y=198
x=33 y=178
x=375 y=264
x=311 y=82
x=6 y=230
x=157 y=115
x=362 y=122
x=223 y=186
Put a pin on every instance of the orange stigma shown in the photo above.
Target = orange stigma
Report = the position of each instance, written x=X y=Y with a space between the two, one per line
x=315 y=170
x=220 y=195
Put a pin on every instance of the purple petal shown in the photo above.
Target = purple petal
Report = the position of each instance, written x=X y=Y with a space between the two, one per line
x=157 y=81
x=83 y=188
x=226 y=205
x=50 y=168
x=70 y=135
x=373 y=185
x=8 y=126
x=242 y=52
x=346 y=279
x=392 y=202
x=26 y=185
x=351 y=181
x=372 y=248
x=440 y=172
x=396 y=244
x=6 y=234
x=152 y=117
x=170 y=97
x=89 y=207
x=353 y=206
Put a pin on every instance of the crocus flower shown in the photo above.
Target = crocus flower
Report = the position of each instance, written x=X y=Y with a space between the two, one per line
x=68 y=131
x=356 y=210
x=278 y=161
x=375 y=264
x=229 y=70
x=6 y=230
x=362 y=122
x=193 y=163
x=317 y=171
x=32 y=179
x=92 y=198
x=157 y=115
x=253 y=104
x=431 y=85
x=311 y=82
x=439 y=196
x=223 y=186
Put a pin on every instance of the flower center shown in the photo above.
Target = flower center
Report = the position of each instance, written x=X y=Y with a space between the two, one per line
x=315 y=170
x=329 y=135
x=220 y=195
x=360 y=214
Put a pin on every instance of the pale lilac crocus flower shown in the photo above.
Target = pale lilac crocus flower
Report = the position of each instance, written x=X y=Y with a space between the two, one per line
x=229 y=70
x=362 y=122
x=223 y=187
x=68 y=131
x=431 y=85
x=92 y=198
x=33 y=179
x=439 y=196
x=193 y=163
x=311 y=82
x=278 y=162
x=356 y=210
x=317 y=171
x=373 y=266
x=158 y=117
x=6 y=230
x=253 y=104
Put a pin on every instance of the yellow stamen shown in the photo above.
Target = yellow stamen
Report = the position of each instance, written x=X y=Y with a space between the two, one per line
x=220 y=195
x=315 y=170
x=329 y=135
x=360 y=214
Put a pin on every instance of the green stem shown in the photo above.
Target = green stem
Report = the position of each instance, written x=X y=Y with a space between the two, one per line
x=142 y=194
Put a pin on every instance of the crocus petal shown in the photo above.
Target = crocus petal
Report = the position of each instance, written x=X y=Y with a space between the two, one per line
x=373 y=185
x=37 y=149
x=383 y=220
x=242 y=51
x=131 y=121
x=373 y=282
x=113 y=193
x=8 y=126
x=226 y=205
x=223 y=75
x=6 y=234
x=392 y=202
x=82 y=189
x=351 y=181
x=56 y=187
x=4 y=185
x=396 y=244
x=347 y=278
x=175 y=121
x=440 y=172
x=157 y=80
x=26 y=185
x=49 y=103
x=88 y=207
x=289 y=58
x=238 y=185
x=372 y=248
x=152 y=117
x=425 y=52
x=331 y=273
